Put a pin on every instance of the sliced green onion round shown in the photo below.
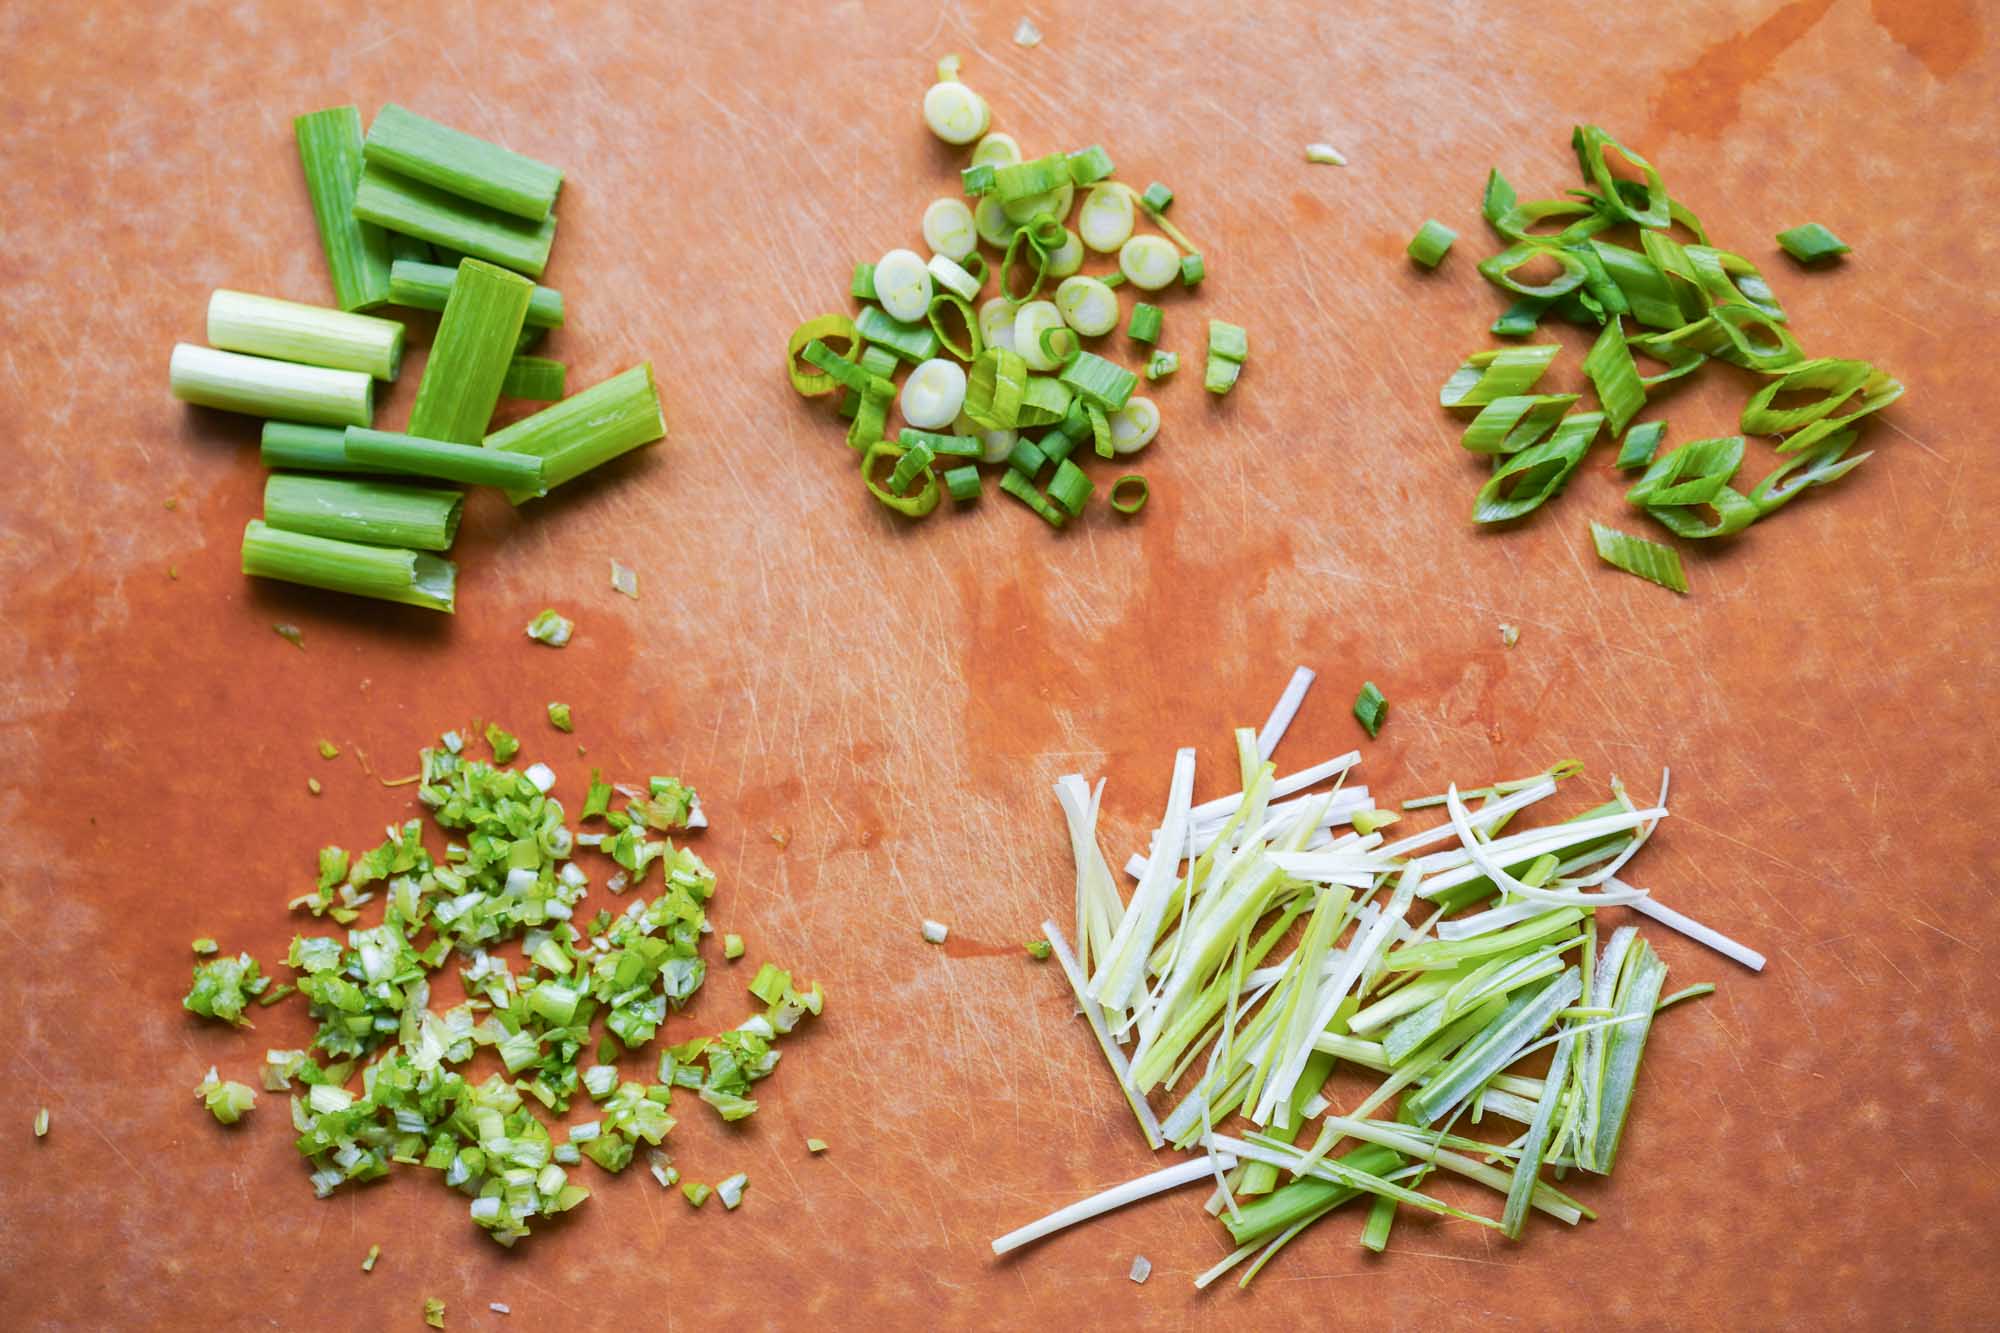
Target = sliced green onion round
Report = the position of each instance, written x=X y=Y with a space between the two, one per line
x=933 y=394
x=962 y=483
x=914 y=506
x=818 y=329
x=1106 y=220
x=1065 y=258
x=994 y=445
x=948 y=273
x=1129 y=493
x=948 y=228
x=1029 y=322
x=1134 y=425
x=992 y=223
x=1087 y=306
x=1070 y=488
x=955 y=113
x=997 y=150
x=903 y=283
x=996 y=323
x=1149 y=262
x=1428 y=246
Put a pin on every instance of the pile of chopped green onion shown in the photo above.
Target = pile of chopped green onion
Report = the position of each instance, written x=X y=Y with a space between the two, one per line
x=418 y=215
x=1670 y=302
x=508 y=874
x=1008 y=382
x=1432 y=965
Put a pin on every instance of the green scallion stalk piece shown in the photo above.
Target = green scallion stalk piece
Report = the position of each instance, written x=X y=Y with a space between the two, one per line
x=310 y=335
x=1593 y=148
x=1429 y=246
x=410 y=577
x=426 y=286
x=912 y=342
x=1156 y=198
x=962 y=484
x=1812 y=243
x=1675 y=348
x=1370 y=707
x=1523 y=483
x=1733 y=511
x=261 y=387
x=1219 y=376
x=994 y=388
x=1499 y=199
x=1193 y=269
x=1739 y=323
x=1499 y=269
x=915 y=462
x=1521 y=318
x=1026 y=458
x=1500 y=372
x=461 y=164
x=1635 y=555
x=587 y=429
x=1647 y=292
x=948 y=446
x=401 y=204
x=560 y=718
x=1100 y=382
x=1162 y=365
x=1876 y=394
x=1690 y=475
x=554 y=629
x=862 y=286
x=357 y=252
x=871 y=415
x=1834 y=379
x=1509 y=425
x=379 y=513
x=1816 y=467
x=1615 y=376
x=1641 y=442
x=1070 y=488
x=1022 y=489
x=910 y=506
x=1044 y=402
x=469 y=358
x=816 y=331
x=299 y=448
x=534 y=377
x=467 y=464
x=1607 y=297
x=1146 y=322
x=1087 y=166
x=1129 y=493
x=1022 y=180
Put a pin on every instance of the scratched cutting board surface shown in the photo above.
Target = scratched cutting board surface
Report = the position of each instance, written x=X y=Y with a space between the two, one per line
x=1809 y=1147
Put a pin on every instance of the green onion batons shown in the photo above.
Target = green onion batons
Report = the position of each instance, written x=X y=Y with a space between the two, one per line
x=310 y=335
x=262 y=387
x=461 y=164
x=593 y=427
x=426 y=286
x=379 y=513
x=357 y=252
x=468 y=464
x=401 y=204
x=286 y=444
x=472 y=352
x=410 y=577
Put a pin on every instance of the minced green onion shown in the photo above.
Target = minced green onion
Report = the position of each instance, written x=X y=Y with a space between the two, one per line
x=259 y=386
x=409 y=577
x=1129 y=493
x=403 y=205
x=551 y=628
x=862 y=286
x=625 y=579
x=534 y=377
x=1026 y=457
x=205 y=945
x=1635 y=555
x=357 y=252
x=310 y=335
x=559 y=717
x=433 y=1312
x=461 y=164
x=1640 y=444
x=421 y=285
x=696 y=1193
x=227 y=1101
x=468 y=464
x=470 y=356
x=1812 y=243
x=1432 y=240
x=587 y=429
x=1370 y=707
x=352 y=509
x=1325 y=154
x=1220 y=376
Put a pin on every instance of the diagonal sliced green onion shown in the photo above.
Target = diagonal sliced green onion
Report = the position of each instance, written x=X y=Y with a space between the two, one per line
x=1499 y=269
x=1018 y=486
x=470 y=355
x=401 y=204
x=816 y=331
x=1500 y=372
x=1836 y=380
x=1817 y=467
x=534 y=377
x=1734 y=512
x=1605 y=294
x=911 y=342
x=1429 y=246
x=1070 y=488
x=912 y=506
x=1876 y=394
x=1103 y=383
x=310 y=335
x=1635 y=555
x=1592 y=146
x=461 y=164
x=1614 y=376
x=467 y=464
x=1527 y=480
x=1370 y=707
x=1521 y=318
x=1499 y=199
x=587 y=429
x=1518 y=222
x=994 y=387
x=357 y=252
x=962 y=484
x=286 y=444
x=1648 y=293
x=1640 y=443
x=410 y=577
x=1675 y=348
x=1129 y=493
x=1812 y=243
x=1145 y=323
x=1509 y=425
x=379 y=513
x=425 y=286
x=259 y=386
x=1691 y=474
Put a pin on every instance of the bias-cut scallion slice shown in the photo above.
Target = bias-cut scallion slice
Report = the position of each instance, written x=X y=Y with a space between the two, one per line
x=911 y=342
x=1593 y=149
x=1509 y=425
x=1639 y=445
x=1500 y=269
x=259 y=386
x=1691 y=474
x=1500 y=372
x=467 y=464
x=470 y=356
x=1812 y=243
x=357 y=252
x=426 y=286
x=1741 y=324
x=1524 y=482
x=1635 y=555
x=1835 y=379
x=1733 y=512
x=461 y=164
x=400 y=204
x=1876 y=394
x=379 y=513
x=310 y=335
x=1816 y=467
x=1647 y=292
x=1615 y=377
x=386 y=573
x=588 y=429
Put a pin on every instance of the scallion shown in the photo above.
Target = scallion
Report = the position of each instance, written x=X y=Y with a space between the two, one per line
x=378 y=513
x=1429 y=245
x=391 y=575
x=1370 y=708
x=1635 y=555
x=587 y=429
x=461 y=164
x=400 y=204
x=310 y=335
x=312 y=395
x=357 y=252
x=1640 y=444
x=534 y=377
x=426 y=286
x=1811 y=243
x=1129 y=493
x=470 y=356
x=467 y=464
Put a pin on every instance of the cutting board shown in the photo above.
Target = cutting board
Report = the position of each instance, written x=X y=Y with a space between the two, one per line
x=874 y=710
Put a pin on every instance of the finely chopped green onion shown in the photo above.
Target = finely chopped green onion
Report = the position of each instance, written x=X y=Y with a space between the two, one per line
x=586 y=430
x=461 y=164
x=534 y=377
x=1432 y=240
x=311 y=395
x=471 y=353
x=1502 y=372
x=391 y=575
x=310 y=335
x=379 y=513
x=400 y=204
x=1129 y=493
x=1812 y=243
x=559 y=717
x=425 y=286
x=468 y=464
x=1635 y=555
x=357 y=252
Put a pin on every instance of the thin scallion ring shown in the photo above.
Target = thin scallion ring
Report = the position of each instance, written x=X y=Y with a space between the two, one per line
x=1106 y=219
x=1029 y=321
x=996 y=323
x=912 y=506
x=903 y=285
x=1149 y=262
x=1134 y=425
x=948 y=228
x=1129 y=493
x=1087 y=306
x=955 y=113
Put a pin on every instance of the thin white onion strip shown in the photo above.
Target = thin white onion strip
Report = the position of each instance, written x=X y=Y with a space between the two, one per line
x=1340 y=810
x=1603 y=873
x=1694 y=930
x=1149 y=1125
x=1121 y=975
x=1481 y=854
x=1535 y=841
x=1145 y=1187
x=1485 y=923
x=1222 y=807
x=1097 y=904
x=1284 y=711
x=1482 y=818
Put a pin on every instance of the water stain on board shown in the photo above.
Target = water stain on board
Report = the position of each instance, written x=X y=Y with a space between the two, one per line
x=1704 y=97
x=1943 y=34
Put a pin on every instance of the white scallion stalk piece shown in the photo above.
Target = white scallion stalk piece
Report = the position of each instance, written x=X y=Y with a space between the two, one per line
x=1027 y=34
x=1133 y=426
x=1056 y=203
x=1105 y=221
x=949 y=274
x=1483 y=858
x=308 y=334
x=1325 y=154
x=1087 y=306
x=1142 y=1267
x=730 y=1191
x=1150 y=262
x=933 y=394
x=42 y=1123
x=903 y=285
x=278 y=390
x=1097 y=905
x=1694 y=930
x=625 y=579
x=1119 y=976
x=935 y=931
x=1030 y=321
x=996 y=149
x=1285 y=709
x=989 y=218
x=948 y=228
x=996 y=329
x=955 y=113
x=1145 y=1187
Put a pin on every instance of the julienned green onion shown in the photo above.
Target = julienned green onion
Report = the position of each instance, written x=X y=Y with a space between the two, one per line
x=379 y=513
x=312 y=395
x=534 y=377
x=1129 y=493
x=461 y=164
x=1146 y=322
x=310 y=335
x=1640 y=444
x=287 y=444
x=388 y=574
x=468 y=464
x=1635 y=555
x=471 y=354
x=1370 y=708
x=400 y=204
x=559 y=717
x=357 y=252
x=426 y=286
x=1811 y=243
x=1432 y=240
x=914 y=342
x=586 y=430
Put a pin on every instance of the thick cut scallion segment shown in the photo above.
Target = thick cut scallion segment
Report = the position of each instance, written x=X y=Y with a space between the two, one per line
x=588 y=429
x=379 y=513
x=428 y=213
x=425 y=286
x=1811 y=243
x=310 y=335
x=467 y=464
x=470 y=356
x=534 y=377
x=1635 y=555
x=391 y=575
x=357 y=252
x=1503 y=372
x=1432 y=241
x=287 y=444
x=461 y=164
x=282 y=390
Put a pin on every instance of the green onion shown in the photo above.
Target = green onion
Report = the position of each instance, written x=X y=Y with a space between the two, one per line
x=357 y=252
x=1615 y=377
x=404 y=205
x=1370 y=707
x=1520 y=319
x=1635 y=555
x=307 y=448
x=1156 y=198
x=467 y=464
x=1646 y=290
x=1070 y=488
x=588 y=429
x=461 y=164
x=871 y=414
x=914 y=463
x=1022 y=489
x=1129 y=493
x=425 y=286
x=1692 y=474
x=814 y=333
x=470 y=356
x=1593 y=149
x=1090 y=165
x=433 y=1312
x=911 y=342
x=554 y=629
x=1145 y=324
x=1812 y=243
x=1527 y=480
x=994 y=387
x=379 y=513
x=312 y=395
x=911 y=506
x=1432 y=240
x=1499 y=199
x=310 y=335
x=1162 y=365
x=368 y=1261
x=1499 y=270
x=1640 y=443
x=696 y=1193
x=1816 y=467
x=391 y=575
x=1220 y=376
x=228 y=1102
x=1836 y=380
x=1193 y=270
x=1738 y=322
x=1044 y=401
x=1734 y=512
x=1877 y=393
x=559 y=717
x=1503 y=372
x=950 y=446
x=534 y=377
x=1509 y=425
x=962 y=483
x=1026 y=458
